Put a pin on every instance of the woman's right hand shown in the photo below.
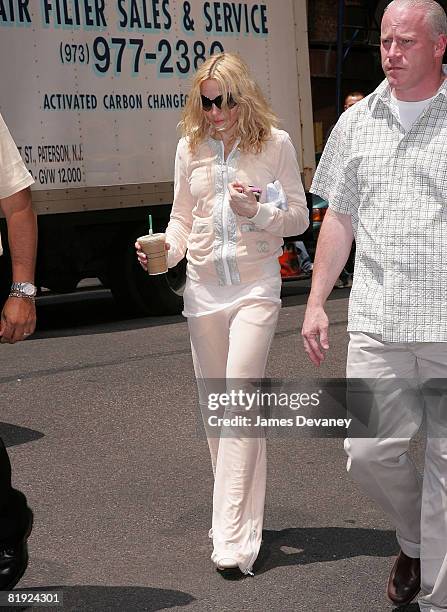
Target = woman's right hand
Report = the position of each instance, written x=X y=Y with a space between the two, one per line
x=142 y=257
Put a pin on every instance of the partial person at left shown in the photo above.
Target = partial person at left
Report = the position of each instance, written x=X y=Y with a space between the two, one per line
x=18 y=321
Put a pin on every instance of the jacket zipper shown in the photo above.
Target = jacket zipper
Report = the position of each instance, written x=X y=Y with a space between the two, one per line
x=225 y=207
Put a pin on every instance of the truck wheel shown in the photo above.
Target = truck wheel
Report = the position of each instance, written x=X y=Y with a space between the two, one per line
x=137 y=293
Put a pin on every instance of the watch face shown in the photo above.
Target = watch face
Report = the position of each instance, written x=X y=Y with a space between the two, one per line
x=26 y=288
x=29 y=289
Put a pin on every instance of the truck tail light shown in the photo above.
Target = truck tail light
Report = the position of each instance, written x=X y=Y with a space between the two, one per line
x=318 y=214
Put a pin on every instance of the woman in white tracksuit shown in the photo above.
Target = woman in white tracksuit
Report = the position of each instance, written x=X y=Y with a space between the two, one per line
x=232 y=294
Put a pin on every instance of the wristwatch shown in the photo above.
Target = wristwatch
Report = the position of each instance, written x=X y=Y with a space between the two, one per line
x=26 y=290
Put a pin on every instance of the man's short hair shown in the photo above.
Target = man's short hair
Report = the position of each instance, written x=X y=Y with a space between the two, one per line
x=434 y=13
x=355 y=94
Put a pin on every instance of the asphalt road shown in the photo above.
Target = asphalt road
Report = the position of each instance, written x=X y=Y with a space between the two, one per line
x=100 y=416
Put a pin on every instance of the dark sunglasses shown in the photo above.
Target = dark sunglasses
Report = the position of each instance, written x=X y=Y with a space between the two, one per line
x=207 y=104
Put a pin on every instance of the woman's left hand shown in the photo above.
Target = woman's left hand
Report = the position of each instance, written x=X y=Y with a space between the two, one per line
x=242 y=200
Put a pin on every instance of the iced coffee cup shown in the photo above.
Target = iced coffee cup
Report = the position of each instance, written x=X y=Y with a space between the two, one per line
x=153 y=245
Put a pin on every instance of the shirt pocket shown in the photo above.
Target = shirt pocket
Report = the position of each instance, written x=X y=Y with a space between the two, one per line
x=429 y=171
x=247 y=227
x=254 y=240
x=202 y=235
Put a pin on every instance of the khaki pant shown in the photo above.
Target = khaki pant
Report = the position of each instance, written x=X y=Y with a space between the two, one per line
x=382 y=465
x=233 y=344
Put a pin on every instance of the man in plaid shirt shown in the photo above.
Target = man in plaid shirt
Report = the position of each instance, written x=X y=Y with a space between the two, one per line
x=384 y=173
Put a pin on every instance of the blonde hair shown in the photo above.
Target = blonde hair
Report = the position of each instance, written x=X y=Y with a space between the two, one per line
x=255 y=119
x=435 y=15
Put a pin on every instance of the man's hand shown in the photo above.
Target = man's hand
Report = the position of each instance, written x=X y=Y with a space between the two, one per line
x=334 y=244
x=18 y=320
x=315 y=333
x=242 y=200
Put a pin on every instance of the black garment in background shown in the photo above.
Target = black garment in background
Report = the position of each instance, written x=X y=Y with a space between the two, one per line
x=13 y=508
x=328 y=133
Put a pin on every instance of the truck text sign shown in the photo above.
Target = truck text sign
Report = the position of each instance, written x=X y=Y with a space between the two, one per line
x=92 y=90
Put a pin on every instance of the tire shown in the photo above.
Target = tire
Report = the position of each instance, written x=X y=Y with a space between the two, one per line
x=138 y=294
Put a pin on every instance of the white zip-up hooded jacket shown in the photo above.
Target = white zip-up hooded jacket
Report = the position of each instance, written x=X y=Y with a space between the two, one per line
x=225 y=248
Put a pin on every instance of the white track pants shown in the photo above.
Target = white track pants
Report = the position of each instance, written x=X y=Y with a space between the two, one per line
x=382 y=465
x=232 y=344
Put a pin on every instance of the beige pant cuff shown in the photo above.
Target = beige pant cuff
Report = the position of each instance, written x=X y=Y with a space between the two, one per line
x=411 y=549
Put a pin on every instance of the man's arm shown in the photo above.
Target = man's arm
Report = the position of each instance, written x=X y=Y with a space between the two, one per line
x=334 y=245
x=18 y=318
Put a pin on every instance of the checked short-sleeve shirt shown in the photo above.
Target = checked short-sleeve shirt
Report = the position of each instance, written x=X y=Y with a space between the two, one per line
x=394 y=185
x=13 y=173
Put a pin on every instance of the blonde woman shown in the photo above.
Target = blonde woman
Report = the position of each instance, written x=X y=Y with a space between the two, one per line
x=232 y=294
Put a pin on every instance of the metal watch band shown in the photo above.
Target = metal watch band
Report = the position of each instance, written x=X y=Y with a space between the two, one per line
x=18 y=294
x=25 y=287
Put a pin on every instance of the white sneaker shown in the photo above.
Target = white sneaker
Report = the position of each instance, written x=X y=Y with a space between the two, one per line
x=226 y=563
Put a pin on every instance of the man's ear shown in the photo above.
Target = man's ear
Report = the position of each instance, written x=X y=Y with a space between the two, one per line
x=440 y=45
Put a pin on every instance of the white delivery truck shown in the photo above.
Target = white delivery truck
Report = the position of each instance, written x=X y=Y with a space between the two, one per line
x=92 y=91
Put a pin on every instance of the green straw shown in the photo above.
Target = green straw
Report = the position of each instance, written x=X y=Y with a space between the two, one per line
x=150 y=225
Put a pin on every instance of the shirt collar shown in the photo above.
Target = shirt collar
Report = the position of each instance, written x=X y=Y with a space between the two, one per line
x=383 y=91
